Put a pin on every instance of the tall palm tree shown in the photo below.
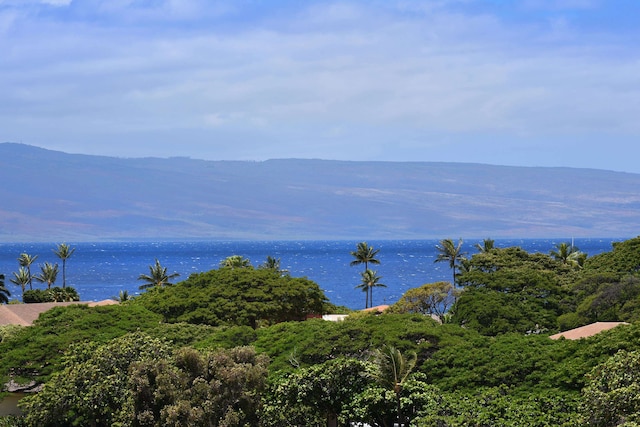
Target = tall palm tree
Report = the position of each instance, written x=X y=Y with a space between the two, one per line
x=22 y=279
x=365 y=254
x=485 y=246
x=64 y=252
x=25 y=260
x=364 y=286
x=4 y=292
x=235 y=261
x=157 y=276
x=451 y=253
x=370 y=280
x=48 y=274
x=392 y=370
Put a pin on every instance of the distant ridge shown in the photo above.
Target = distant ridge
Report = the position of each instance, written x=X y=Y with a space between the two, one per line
x=52 y=196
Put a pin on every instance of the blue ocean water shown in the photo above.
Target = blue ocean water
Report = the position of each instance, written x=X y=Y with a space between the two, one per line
x=101 y=270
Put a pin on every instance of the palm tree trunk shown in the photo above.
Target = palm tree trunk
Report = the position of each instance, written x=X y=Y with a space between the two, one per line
x=399 y=409
x=371 y=296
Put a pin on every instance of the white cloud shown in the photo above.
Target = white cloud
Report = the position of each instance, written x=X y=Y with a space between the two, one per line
x=57 y=2
x=334 y=80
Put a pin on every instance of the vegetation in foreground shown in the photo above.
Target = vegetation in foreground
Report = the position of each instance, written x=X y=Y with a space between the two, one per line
x=227 y=348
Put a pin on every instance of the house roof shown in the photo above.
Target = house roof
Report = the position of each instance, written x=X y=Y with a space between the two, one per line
x=377 y=308
x=587 y=330
x=26 y=314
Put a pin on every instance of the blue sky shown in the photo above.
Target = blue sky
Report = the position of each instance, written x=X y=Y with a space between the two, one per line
x=525 y=83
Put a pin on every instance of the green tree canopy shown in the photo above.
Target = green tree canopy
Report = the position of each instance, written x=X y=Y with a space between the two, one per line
x=220 y=388
x=512 y=290
x=92 y=387
x=36 y=352
x=236 y=296
x=624 y=259
x=612 y=395
x=315 y=396
x=429 y=299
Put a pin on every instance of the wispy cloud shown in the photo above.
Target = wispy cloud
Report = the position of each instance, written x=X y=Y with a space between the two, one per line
x=334 y=80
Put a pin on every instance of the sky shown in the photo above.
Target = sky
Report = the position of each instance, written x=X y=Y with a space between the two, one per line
x=521 y=83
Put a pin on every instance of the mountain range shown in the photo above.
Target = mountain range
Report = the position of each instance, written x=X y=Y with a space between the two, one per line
x=54 y=196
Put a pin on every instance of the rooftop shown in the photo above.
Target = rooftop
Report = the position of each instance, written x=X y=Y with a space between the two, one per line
x=587 y=330
x=26 y=314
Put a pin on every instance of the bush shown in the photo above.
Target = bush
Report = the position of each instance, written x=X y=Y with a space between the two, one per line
x=56 y=294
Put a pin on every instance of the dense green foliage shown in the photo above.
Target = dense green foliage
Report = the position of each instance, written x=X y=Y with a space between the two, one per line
x=36 y=352
x=316 y=341
x=511 y=290
x=220 y=388
x=622 y=260
x=498 y=407
x=55 y=294
x=491 y=364
x=312 y=396
x=236 y=296
x=91 y=388
x=135 y=380
x=613 y=394
x=430 y=299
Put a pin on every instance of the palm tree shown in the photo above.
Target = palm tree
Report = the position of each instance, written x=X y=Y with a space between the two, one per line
x=4 y=292
x=486 y=246
x=48 y=274
x=451 y=253
x=370 y=280
x=365 y=254
x=64 y=294
x=123 y=296
x=26 y=260
x=22 y=279
x=157 y=276
x=364 y=286
x=392 y=370
x=272 y=263
x=64 y=252
x=235 y=261
x=567 y=253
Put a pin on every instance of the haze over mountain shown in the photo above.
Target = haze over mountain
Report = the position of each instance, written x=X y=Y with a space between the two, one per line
x=54 y=196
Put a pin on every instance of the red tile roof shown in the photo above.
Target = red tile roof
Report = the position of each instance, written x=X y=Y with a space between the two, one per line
x=587 y=330
x=26 y=314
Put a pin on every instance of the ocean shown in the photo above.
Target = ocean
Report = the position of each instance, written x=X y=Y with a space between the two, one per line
x=101 y=270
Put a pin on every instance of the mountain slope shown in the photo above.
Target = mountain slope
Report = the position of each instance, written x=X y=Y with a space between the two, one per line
x=48 y=195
